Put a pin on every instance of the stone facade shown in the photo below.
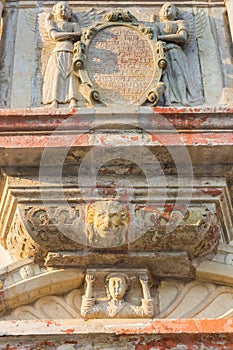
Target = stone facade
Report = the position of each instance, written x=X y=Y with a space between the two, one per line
x=116 y=175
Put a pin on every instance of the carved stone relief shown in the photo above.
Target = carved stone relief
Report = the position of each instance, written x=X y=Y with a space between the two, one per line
x=187 y=52
x=25 y=282
x=107 y=224
x=115 y=306
x=176 y=299
x=52 y=227
x=181 y=87
x=60 y=84
x=204 y=300
x=119 y=61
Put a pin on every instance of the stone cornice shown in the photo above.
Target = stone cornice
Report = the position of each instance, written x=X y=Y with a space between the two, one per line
x=133 y=327
x=194 y=119
x=122 y=3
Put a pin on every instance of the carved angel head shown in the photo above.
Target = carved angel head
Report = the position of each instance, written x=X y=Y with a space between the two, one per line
x=62 y=10
x=168 y=12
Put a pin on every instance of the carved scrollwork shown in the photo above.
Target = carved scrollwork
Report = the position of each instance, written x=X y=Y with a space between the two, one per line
x=195 y=231
x=39 y=216
x=119 y=15
x=209 y=231
x=79 y=52
x=46 y=225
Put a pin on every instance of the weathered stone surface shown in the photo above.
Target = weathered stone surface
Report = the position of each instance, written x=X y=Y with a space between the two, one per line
x=131 y=54
x=161 y=264
x=170 y=167
x=59 y=83
x=25 y=282
x=26 y=295
x=21 y=92
x=34 y=230
x=59 y=335
x=120 y=61
x=42 y=46
x=130 y=69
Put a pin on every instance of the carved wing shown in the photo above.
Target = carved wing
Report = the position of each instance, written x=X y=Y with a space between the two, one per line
x=30 y=18
x=196 y=22
x=88 y=18
x=44 y=43
x=189 y=21
x=201 y=21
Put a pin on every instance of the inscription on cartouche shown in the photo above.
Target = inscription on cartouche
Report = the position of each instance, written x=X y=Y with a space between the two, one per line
x=121 y=63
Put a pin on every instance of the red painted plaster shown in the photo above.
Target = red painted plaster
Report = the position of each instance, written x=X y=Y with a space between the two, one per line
x=51 y=323
x=182 y=326
x=211 y=191
x=68 y=331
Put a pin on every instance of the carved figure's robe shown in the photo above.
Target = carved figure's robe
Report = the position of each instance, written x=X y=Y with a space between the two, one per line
x=60 y=83
x=180 y=82
x=118 y=309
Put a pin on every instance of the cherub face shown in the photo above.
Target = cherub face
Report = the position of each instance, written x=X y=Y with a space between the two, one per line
x=63 y=10
x=117 y=287
x=168 y=11
x=107 y=222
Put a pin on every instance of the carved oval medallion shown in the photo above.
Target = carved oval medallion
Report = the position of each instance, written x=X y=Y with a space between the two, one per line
x=120 y=64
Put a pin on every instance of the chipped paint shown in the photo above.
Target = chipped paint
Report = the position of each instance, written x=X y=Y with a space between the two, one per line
x=68 y=331
x=212 y=191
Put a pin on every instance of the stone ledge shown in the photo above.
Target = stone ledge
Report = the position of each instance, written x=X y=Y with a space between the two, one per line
x=182 y=118
x=119 y=327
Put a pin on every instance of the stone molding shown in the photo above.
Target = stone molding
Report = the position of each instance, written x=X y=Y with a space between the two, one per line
x=25 y=282
x=153 y=3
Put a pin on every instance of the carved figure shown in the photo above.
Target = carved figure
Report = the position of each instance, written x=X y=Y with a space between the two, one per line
x=117 y=285
x=181 y=88
x=60 y=84
x=106 y=224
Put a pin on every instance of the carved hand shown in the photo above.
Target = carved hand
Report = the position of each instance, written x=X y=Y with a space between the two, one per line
x=143 y=279
x=161 y=37
x=90 y=279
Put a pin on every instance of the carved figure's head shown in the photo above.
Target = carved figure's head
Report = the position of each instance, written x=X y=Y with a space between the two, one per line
x=62 y=10
x=107 y=222
x=168 y=12
x=117 y=285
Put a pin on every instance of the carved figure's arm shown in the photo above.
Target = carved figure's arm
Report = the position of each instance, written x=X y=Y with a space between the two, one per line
x=60 y=36
x=145 y=288
x=147 y=307
x=88 y=302
x=180 y=37
x=89 y=281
